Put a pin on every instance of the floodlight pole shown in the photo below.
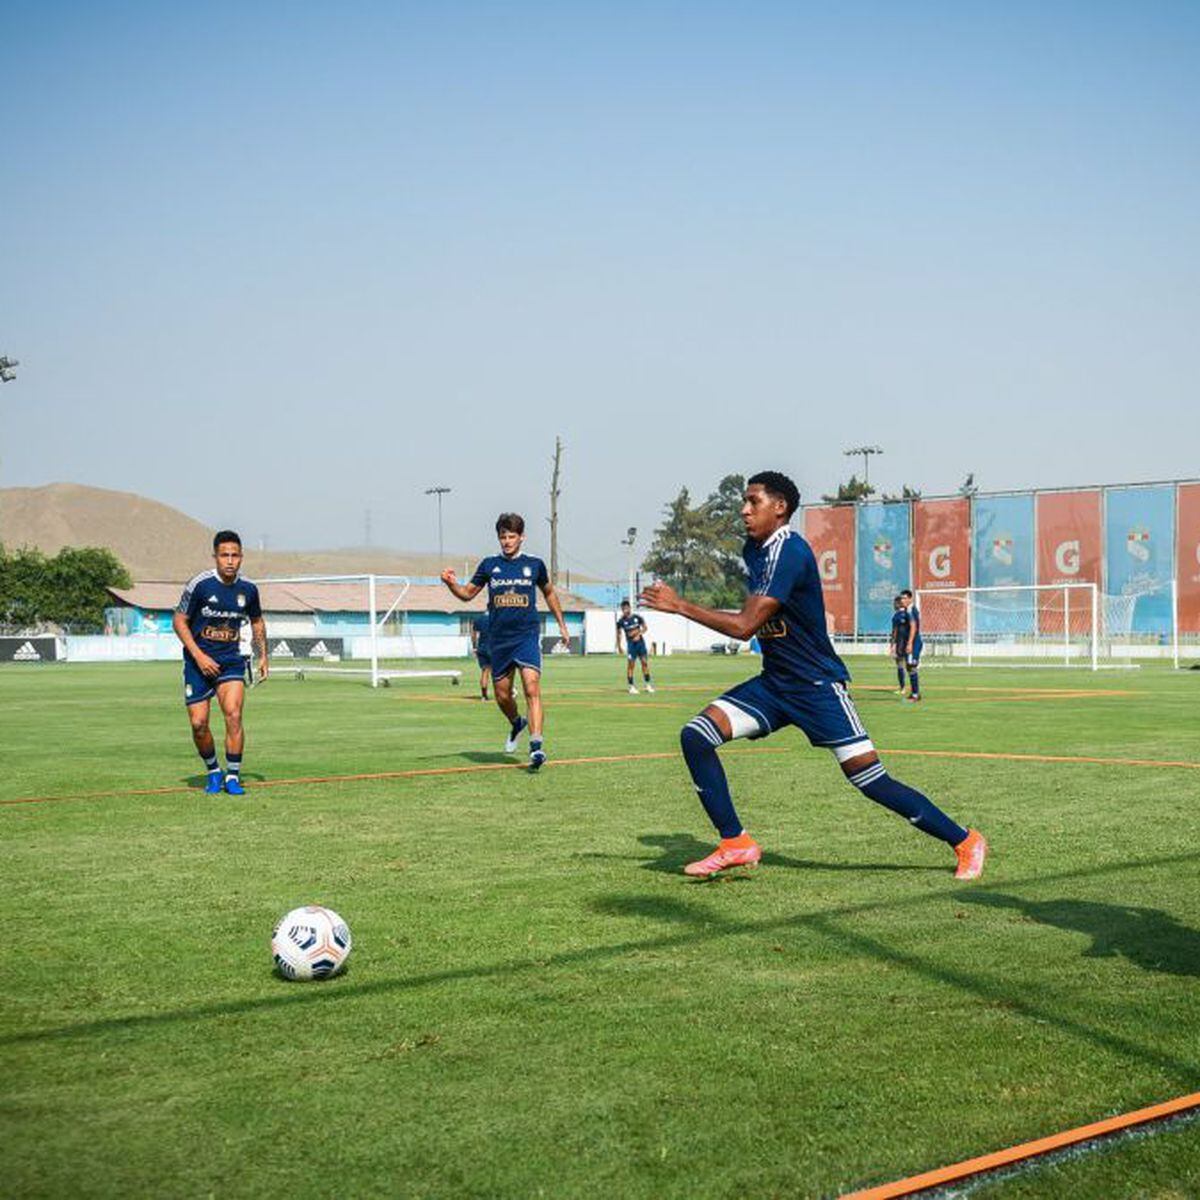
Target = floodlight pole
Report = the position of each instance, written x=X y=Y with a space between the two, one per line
x=628 y=540
x=439 y=492
x=865 y=452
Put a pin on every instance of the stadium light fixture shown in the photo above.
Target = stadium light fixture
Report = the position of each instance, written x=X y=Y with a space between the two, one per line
x=866 y=452
x=7 y=374
x=439 y=492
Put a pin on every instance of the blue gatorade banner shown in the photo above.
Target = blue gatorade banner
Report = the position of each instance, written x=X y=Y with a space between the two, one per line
x=884 y=555
x=1139 y=552
x=1002 y=529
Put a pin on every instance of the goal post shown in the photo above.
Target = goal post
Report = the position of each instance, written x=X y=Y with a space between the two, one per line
x=338 y=622
x=1060 y=624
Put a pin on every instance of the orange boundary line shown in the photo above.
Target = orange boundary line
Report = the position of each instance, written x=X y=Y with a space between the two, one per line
x=421 y=772
x=1026 y=1150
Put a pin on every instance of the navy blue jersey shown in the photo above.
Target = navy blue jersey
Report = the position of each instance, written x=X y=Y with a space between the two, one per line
x=795 y=642
x=512 y=585
x=215 y=612
x=632 y=627
x=482 y=625
x=914 y=616
x=900 y=627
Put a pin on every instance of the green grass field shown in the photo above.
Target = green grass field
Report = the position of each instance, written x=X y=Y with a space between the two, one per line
x=538 y=1003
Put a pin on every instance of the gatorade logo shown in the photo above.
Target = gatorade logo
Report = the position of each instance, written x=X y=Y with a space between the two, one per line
x=1066 y=558
x=939 y=562
x=828 y=567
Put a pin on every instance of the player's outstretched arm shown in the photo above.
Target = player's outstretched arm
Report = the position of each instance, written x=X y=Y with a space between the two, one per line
x=555 y=605
x=743 y=625
x=464 y=591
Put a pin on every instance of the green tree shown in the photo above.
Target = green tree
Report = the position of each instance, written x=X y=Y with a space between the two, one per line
x=851 y=493
x=68 y=590
x=722 y=513
x=905 y=493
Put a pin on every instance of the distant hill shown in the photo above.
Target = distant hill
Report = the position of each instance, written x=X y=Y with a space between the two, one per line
x=155 y=541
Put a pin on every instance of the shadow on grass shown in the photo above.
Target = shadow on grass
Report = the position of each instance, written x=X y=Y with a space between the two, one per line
x=678 y=849
x=687 y=925
x=197 y=782
x=473 y=756
x=1148 y=937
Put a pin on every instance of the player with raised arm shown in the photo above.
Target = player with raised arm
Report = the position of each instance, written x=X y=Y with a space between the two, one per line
x=913 y=646
x=208 y=622
x=632 y=627
x=513 y=580
x=803 y=683
x=479 y=640
x=898 y=640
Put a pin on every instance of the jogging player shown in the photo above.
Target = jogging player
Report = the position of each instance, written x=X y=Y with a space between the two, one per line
x=208 y=622
x=803 y=683
x=513 y=580
x=632 y=627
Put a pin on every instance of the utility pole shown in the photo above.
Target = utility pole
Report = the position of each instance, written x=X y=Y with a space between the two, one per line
x=628 y=540
x=439 y=492
x=866 y=452
x=554 y=495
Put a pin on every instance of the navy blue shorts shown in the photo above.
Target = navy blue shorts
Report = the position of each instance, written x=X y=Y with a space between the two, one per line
x=198 y=687
x=507 y=656
x=484 y=660
x=824 y=711
x=915 y=657
x=636 y=649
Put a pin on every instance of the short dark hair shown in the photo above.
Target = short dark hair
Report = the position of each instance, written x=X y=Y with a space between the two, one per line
x=510 y=523
x=905 y=591
x=778 y=484
x=225 y=535
x=625 y=603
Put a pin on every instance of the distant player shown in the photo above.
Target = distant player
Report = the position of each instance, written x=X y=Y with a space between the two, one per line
x=479 y=640
x=208 y=622
x=632 y=627
x=514 y=633
x=898 y=640
x=803 y=683
x=913 y=647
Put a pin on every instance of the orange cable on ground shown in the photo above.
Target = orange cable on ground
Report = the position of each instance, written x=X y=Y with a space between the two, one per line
x=1026 y=1150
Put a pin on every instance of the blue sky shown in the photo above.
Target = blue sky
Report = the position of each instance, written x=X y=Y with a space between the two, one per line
x=281 y=264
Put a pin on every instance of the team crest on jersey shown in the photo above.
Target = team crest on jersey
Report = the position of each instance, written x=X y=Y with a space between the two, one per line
x=241 y=601
x=1002 y=549
x=1137 y=542
x=526 y=572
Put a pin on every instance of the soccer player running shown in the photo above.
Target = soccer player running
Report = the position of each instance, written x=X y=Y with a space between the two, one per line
x=208 y=622
x=803 y=683
x=514 y=633
x=913 y=646
x=479 y=639
x=898 y=641
x=632 y=626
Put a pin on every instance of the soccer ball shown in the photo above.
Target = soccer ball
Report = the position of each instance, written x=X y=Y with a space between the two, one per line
x=310 y=943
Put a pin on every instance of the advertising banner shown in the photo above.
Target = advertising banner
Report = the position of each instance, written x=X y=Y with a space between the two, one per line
x=941 y=544
x=884 y=553
x=830 y=533
x=1070 y=549
x=29 y=649
x=305 y=647
x=1187 y=557
x=1003 y=556
x=1139 y=539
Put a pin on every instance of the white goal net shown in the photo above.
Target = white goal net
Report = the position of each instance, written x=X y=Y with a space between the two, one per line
x=345 y=625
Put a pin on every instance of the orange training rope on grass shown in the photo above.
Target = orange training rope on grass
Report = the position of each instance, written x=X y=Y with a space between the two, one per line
x=1026 y=1150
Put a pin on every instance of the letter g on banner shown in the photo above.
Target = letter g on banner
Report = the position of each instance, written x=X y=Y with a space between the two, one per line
x=1066 y=557
x=939 y=562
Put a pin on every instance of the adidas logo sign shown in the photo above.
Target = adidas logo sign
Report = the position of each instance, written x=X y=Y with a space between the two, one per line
x=27 y=653
x=283 y=650
x=320 y=650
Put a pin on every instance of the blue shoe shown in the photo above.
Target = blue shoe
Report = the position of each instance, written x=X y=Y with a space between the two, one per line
x=233 y=786
x=536 y=758
x=213 y=786
x=514 y=734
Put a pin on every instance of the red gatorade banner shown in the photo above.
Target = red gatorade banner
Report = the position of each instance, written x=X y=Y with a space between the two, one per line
x=1187 y=556
x=830 y=532
x=942 y=559
x=1070 y=544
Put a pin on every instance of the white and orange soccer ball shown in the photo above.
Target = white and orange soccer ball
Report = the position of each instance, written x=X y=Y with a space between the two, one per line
x=310 y=943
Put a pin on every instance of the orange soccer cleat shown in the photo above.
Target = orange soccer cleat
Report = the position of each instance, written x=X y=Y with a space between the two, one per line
x=741 y=851
x=971 y=852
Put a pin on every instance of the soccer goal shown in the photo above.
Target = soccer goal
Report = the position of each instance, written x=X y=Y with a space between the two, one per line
x=348 y=625
x=1043 y=625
